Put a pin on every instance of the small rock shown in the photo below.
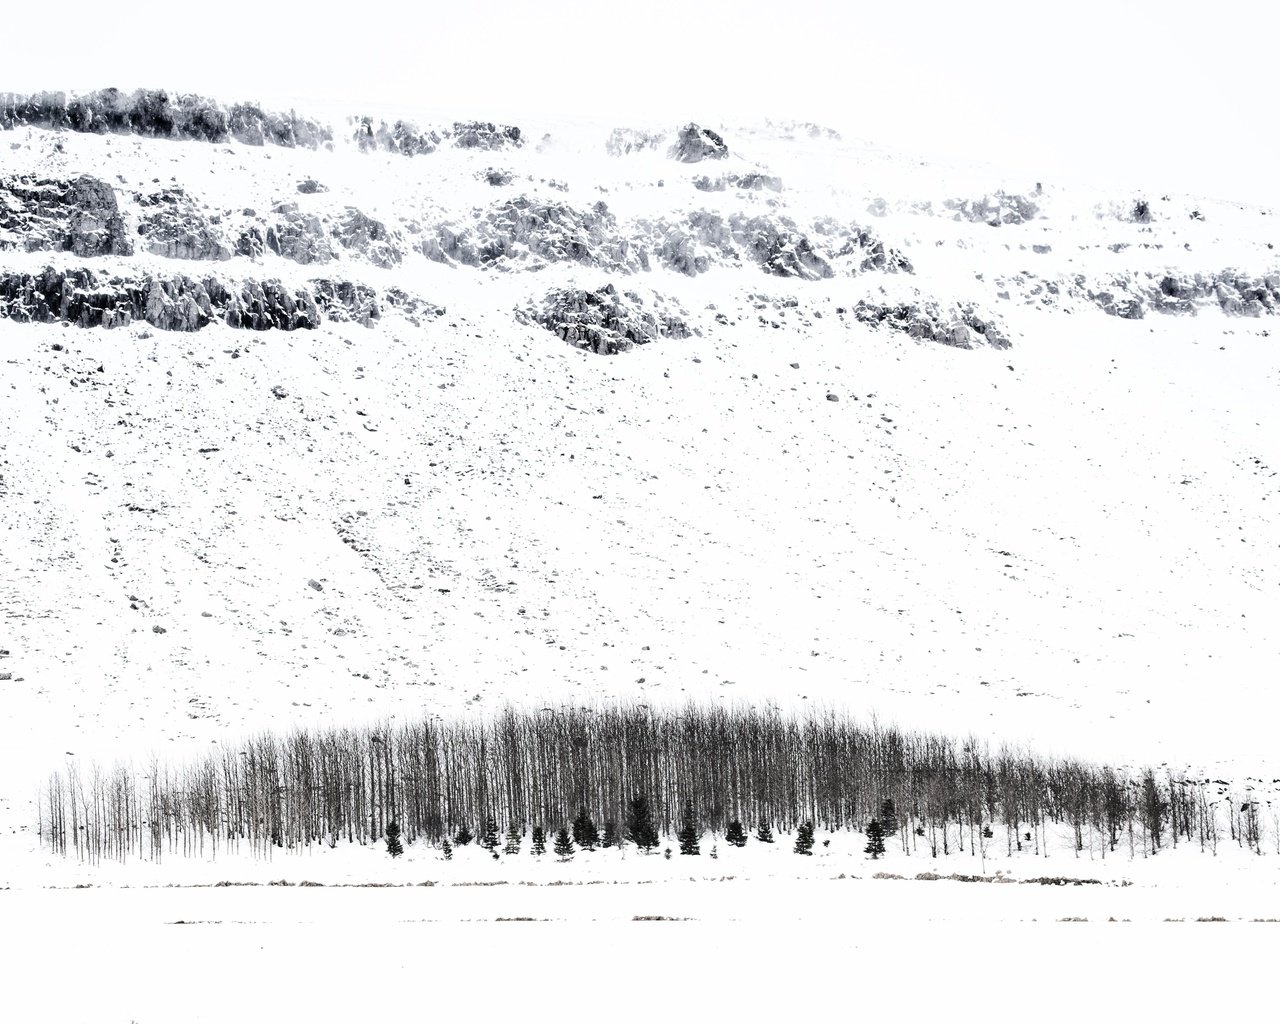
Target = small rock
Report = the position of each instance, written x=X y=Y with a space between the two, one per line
x=832 y=397
x=158 y=629
x=314 y=585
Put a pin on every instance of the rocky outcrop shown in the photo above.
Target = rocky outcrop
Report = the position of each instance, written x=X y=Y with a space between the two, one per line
x=402 y=137
x=180 y=303
x=154 y=112
x=752 y=181
x=694 y=144
x=291 y=233
x=622 y=141
x=344 y=301
x=361 y=233
x=310 y=187
x=705 y=238
x=995 y=209
x=485 y=135
x=411 y=307
x=958 y=327
x=530 y=233
x=605 y=321
x=80 y=216
x=1235 y=293
x=171 y=225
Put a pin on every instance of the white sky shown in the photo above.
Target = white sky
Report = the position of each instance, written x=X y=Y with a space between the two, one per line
x=1102 y=88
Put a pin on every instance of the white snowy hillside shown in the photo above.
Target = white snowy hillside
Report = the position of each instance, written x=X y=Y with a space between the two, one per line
x=330 y=421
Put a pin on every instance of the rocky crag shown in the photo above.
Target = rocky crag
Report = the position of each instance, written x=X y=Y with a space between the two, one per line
x=688 y=200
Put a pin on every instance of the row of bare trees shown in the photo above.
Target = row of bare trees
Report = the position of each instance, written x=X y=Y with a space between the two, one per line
x=542 y=768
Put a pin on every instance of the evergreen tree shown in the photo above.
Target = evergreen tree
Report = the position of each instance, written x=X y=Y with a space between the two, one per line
x=513 y=839
x=446 y=848
x=764 y=832
x=611 y=837
x=539 y=841
x=490 y=838
x=688 y=834
x=393 y=839
x=735 y=836
x=463 y=836
x=888 y=817
x=875 y=839
x=804 y=838
x=564 y=845
x=640 y=827
x=584 y=831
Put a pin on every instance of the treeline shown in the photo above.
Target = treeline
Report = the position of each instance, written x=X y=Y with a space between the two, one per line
x=703 y=767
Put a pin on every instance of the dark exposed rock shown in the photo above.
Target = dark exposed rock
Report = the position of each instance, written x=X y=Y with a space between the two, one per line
x=485 y=135
x=413 y=308
x=153 y=112
x=1235 y=293
x=172 y=226
x=622 y=141
x=309 y=187
x=496 y=177
x=865 y=251
x=959 y=327
x=295 y=235
x=605 y=321
x=180 y=303
x=363 y=234
x=694 y=144
x=344 y=301
x=402 y=137
x=777 y=246
x=532 y=232
x=80 y=216
x=753 y=181
x=996 y=209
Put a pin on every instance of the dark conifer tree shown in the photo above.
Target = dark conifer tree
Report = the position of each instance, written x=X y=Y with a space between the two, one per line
x=804 y=838
x=764 y=832
x=875 y=839
x=688 y=834
x=564 y=845
x=611 y=836
x=490 y=838
x=640 y=827
x=539 y=841
x=889 y=817
x=393 y=839
x=584 y=831
x=513 y=839
x=463 y=836
x=735 y=836
x=446 y=848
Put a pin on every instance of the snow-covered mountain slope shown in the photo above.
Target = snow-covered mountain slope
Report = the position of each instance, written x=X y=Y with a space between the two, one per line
x=973 y=454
